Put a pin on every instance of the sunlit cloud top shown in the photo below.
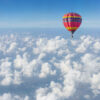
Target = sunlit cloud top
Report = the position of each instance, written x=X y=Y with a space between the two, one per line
x=49 y=68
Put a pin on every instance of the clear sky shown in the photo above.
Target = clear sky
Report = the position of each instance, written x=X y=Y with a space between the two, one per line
x=47 y=13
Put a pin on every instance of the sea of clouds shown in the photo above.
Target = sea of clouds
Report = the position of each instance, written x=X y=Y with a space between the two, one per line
x=49 y=68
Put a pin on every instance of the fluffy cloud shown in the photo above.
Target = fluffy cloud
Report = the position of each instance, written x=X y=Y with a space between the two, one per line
x=49 y=46
x=87 y=96
x=84 y=44
x=5 y=71
x=49 y=68
x=45 y=70
x=12 y=47
x=95 y=83
x=8 y=96
x=96 y=46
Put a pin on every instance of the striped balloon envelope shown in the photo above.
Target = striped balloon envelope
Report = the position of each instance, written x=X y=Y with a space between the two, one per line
x=72 y=22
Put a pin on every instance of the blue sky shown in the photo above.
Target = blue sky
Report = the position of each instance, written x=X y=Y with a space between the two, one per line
x=47 y=13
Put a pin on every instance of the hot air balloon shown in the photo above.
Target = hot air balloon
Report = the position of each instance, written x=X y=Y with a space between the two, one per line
x=72 y=22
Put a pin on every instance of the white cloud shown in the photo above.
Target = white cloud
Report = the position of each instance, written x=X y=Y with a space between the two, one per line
x=87 y=96
x=6 y=81
x=67 y=64
x=95 y=83
x=91 y=63
x=49 y=46
x=96 y=46
x=41 y=95
x=45 y=70
x=84 y=44
x=5 y=71
x=24 y=65
x=8 y=96
x=17 y=77
x=12 y=47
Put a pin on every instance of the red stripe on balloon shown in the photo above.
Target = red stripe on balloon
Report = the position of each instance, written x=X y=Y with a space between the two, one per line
x=72 y=24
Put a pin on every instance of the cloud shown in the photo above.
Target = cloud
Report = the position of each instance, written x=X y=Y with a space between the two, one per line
x=5 y=71
x=96 y=46
x=12 y=47
x=87 y=96
x=95 y=83
x=49 y=68
x=8 y=96
x=44 y=45
x=45 y=70
x=84 y=44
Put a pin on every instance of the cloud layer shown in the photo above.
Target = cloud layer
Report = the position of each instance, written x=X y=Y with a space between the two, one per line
x=49 y=68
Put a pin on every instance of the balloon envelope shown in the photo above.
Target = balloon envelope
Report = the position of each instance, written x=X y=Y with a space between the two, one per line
x=72 y=21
